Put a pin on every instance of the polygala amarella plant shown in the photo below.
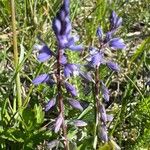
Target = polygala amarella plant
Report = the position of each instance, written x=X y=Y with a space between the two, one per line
x=100 y=56
x=62 y=28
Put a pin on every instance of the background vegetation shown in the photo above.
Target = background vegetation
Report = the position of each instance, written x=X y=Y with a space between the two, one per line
x=130 y=94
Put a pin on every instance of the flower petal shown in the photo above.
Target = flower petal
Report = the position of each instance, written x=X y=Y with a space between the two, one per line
x=63 y=59
x=70 y=69
x=44 y=52
x=103 y=113
x=50 y=104
x=76 y=47
x=105 y=92
x=58 y=123
x=86 y=76
x=97 y=59
x=113 y=66
x=103 y=133
x=75 y=104
x=43 y=78
x=71 y=89
x=110 y=118
x=99 y=33
x=80 y=123
x=115 y=20
x=117 y=43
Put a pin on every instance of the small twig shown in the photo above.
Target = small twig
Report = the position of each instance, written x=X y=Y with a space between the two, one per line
x=60 y=98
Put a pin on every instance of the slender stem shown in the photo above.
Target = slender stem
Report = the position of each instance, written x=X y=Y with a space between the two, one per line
x=96 y=102
x=60 y=98
x=18 y=84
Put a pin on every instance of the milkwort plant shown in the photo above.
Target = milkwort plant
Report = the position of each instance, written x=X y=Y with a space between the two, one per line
x=62 y=27
x=100 y=56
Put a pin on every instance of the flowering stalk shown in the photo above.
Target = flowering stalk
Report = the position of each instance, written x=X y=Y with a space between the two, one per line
x=95 y=60
x=62 y=28
x=18 y=85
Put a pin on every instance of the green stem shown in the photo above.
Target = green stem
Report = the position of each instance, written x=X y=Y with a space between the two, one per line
x=96 y=105
x=18 y=84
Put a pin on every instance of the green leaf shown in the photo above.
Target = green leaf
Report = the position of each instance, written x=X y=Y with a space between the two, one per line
x=105 y=147
x=85 y=111
x=21 y=53
x=141 y=49
x=39 y=114
x=14 y=134
x=111 y=145
x=29 y=120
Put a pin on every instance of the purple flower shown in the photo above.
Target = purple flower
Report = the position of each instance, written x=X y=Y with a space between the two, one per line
x=115 y=20
x=50 y=104
x=71 y=89
x=108 y=37
x=52 y=144
x=110 y=118
x=63 y=59
x=76 y=47
x=44 y=52
x=103 y=113
x=105 y=92
x=113 y=66
x=86 y=76
x=117 y=43
x=97 y=59
x=103 y=133
x=58 y=123
x=93 y=50
x=80 y=123
x=43 y=78
x=70 y=69
x=99 y=33
x=75 y=104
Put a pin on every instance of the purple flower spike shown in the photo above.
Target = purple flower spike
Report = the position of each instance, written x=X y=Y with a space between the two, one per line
x=44 y=52
x=71 y=89
x=105 y=92
x=113 y=66
x=50 y=104
x=103 y=113
x=75 y=104
x=43 y=78
x=103 y=133
x=80 y=123
x=117 y=43
x=62 y=29
x=99 y=33
x=58 y=123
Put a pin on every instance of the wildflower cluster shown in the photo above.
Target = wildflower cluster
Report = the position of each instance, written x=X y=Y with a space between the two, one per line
x=62 y=28
x=97 y=58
